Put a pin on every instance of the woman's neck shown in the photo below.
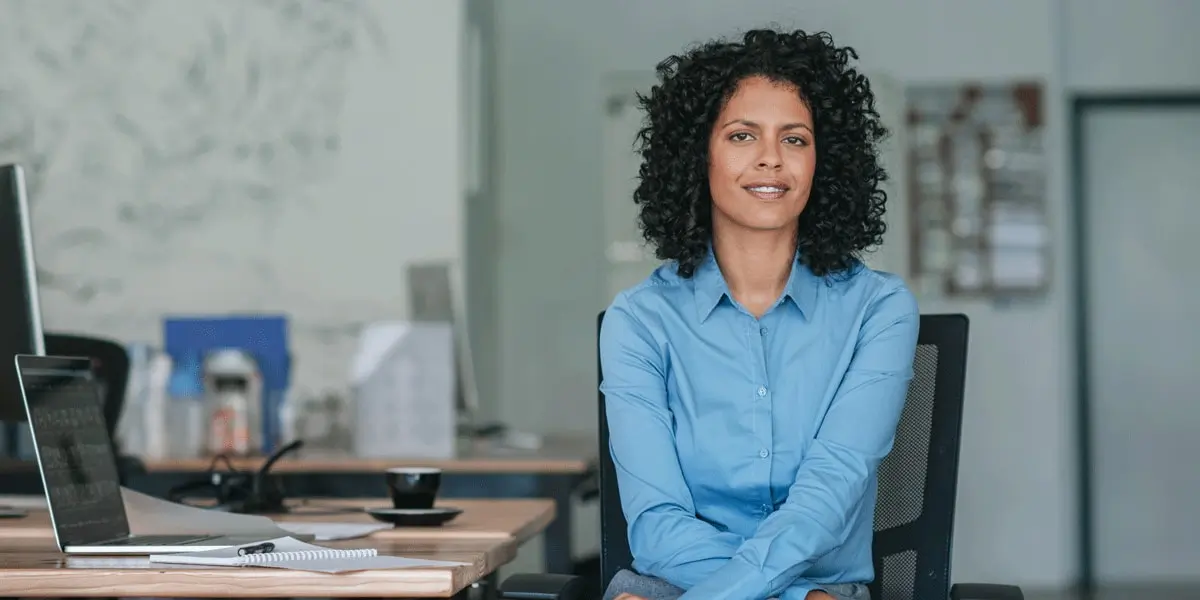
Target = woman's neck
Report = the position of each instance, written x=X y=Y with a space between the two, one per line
x=755 y=264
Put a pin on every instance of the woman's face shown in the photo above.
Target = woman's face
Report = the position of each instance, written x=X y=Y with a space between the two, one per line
x=762 y=154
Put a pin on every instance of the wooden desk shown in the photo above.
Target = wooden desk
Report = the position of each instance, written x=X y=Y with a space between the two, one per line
x=481 y=520
x=486 y=536
x=34 y=568
x=519 y=519
x=482 y=469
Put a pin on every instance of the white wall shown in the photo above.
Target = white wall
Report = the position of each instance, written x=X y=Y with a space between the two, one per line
x=1119 y=46
x=235 y=156
x=1015 y=513
x=1115 y=47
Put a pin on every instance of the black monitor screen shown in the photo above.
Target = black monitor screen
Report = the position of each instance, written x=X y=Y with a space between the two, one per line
x=20 y=327
x=74 y=452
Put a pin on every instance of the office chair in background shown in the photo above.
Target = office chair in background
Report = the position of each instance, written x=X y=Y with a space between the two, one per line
x=110 y=361
x=914 y=511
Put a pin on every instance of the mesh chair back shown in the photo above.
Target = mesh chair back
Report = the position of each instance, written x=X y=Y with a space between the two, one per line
x=914 y=513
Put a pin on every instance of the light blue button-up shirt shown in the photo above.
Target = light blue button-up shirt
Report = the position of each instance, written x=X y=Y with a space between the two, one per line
x=746 y=449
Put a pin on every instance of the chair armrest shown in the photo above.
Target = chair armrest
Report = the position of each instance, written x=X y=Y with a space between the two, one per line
x=985 y=591
x=542 y=586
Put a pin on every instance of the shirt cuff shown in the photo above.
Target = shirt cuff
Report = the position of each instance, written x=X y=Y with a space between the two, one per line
x=737 y=580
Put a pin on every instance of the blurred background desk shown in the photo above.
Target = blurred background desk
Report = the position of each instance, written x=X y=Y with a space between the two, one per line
x=558 y=470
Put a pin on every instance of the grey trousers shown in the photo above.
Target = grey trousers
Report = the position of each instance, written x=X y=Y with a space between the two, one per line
x=653 y=588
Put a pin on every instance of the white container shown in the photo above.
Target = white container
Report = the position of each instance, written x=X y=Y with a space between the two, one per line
x=403 y=391
x=233 y=391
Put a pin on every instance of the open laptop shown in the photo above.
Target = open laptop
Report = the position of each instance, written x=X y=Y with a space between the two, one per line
x=79 y=470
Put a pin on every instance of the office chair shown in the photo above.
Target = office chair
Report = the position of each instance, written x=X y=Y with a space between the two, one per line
x=914 y=511
x=110 y=361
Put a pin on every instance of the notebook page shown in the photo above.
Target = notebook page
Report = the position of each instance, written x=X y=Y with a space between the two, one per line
x=290 y=553
x=286 y=549
x=364 y=563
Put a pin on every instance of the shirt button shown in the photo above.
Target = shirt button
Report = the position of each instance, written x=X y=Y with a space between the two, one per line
x=763 y=331
x=763 y=453
x=762 y=391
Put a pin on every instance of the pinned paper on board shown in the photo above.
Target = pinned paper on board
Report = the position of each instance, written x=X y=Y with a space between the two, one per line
x=977 y=172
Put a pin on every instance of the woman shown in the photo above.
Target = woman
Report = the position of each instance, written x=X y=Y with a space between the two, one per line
x=755 y=381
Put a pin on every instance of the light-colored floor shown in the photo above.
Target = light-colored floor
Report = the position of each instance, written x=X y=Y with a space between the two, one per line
x=1164 y=592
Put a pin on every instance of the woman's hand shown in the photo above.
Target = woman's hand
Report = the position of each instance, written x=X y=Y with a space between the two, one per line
x=630 y=597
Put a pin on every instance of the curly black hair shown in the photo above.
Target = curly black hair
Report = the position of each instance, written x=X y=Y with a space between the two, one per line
x=844 y=214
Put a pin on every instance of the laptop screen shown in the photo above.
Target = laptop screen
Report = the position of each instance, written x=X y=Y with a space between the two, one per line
x=73 y=448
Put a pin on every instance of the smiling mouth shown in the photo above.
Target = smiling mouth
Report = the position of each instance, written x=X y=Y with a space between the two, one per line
x=767 y=192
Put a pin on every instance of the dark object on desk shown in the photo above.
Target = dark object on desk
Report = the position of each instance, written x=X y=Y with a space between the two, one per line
x=21 y=327
x=413 y=487
x=262 y=548
x=914 y=512
x=415 y=517
x=482 y=432
x=240 y=491
x=12 y=513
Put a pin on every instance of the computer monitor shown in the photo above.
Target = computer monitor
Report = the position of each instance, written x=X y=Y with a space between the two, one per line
x=20 y=311
x=435 y=295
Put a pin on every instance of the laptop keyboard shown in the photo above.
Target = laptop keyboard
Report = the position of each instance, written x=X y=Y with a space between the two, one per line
x=158 y=540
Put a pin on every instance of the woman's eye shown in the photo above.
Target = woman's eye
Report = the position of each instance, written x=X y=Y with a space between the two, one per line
x=740 y=136
x=796 y=140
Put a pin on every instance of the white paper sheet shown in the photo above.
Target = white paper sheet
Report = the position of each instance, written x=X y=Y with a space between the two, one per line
x=374 y=343
x=151 y=515
x=114 y=562
x=346 y=565
x=325 y=532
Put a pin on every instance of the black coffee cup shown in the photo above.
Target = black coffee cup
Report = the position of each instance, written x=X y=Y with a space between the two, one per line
x=413 y=487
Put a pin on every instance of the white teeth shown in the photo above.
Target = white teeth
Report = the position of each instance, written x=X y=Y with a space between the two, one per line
x=767 y=190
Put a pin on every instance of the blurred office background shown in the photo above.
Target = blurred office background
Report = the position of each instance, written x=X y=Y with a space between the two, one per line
x=298 y=156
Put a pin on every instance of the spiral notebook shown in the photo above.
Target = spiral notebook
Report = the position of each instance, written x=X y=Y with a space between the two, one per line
x=290 y=553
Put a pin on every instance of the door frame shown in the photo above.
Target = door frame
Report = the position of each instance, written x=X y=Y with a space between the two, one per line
x=1081 y=104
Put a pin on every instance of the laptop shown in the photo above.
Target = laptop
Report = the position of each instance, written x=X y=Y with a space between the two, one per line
x=75 y=457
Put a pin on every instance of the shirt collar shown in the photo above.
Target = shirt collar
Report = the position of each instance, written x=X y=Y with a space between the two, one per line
x=709 y=287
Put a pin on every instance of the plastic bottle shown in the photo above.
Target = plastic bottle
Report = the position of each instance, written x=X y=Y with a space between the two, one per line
x=186 y=412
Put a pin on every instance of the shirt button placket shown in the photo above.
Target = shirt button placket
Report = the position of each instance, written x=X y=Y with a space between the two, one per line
x=763 y=403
